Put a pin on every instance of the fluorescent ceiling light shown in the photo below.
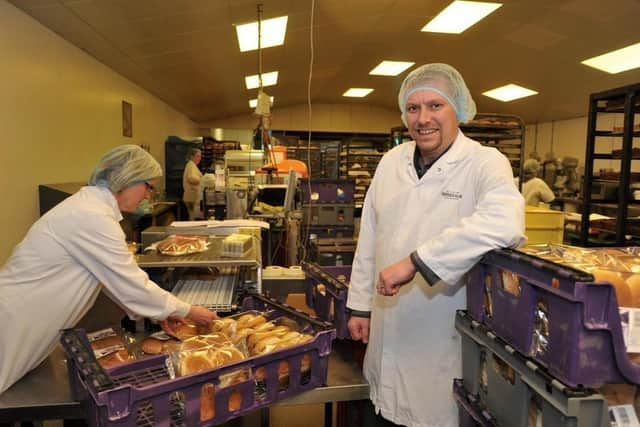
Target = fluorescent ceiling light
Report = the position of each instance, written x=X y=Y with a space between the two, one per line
x=459 y=16
x=253 y=103
x=616 y=61
x=357 y=92
x=509 y=92
x=272 y=33
x=268 y=79
x=390 y=68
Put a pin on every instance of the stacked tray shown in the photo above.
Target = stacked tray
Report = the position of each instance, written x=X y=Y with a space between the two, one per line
x=145 y=392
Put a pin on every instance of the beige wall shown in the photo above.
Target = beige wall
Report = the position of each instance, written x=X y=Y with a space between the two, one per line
x=60 y=110
x=324 y=117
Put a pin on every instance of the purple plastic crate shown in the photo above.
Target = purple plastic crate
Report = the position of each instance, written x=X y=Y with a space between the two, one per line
x=329 y=231
x=554 y=314
x=328 y=191
x=330 y=305
x=141 y=393
x=470 y=412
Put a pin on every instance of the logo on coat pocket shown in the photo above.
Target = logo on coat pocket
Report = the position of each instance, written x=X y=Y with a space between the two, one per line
x=451 y=195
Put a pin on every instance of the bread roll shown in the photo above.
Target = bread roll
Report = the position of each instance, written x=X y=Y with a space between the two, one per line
x=256 y=322
x=215 y=338
x=242 y=334
x=186 y=330
x=243 y=321
x=253 y=338
x=265 y=345
x=171 y=346
x=115 y=359
x=106 y=342
x=227 y=326
x=623 y=293
x=152 y=345
x=194 y=343
x=196 y=361
x=226 y=355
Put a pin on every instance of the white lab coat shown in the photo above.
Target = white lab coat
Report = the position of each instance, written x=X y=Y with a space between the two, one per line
x=191 y=191
x=535 y=191
x=53 y=277
x=465 y=205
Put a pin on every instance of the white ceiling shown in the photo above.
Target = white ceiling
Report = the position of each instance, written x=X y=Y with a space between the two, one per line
x=186 y=51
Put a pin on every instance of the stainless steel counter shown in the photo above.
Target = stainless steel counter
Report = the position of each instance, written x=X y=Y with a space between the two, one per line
x=44 y=393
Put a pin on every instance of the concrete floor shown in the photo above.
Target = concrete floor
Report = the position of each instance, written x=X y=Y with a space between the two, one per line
x=280 y=416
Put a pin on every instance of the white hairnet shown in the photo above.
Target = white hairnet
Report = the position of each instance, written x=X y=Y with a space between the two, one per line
x=192 y=153
x=530 y=168
x=444 y=80
x=124 y=166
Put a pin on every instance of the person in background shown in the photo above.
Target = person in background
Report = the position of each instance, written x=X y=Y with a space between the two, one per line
x=70 y=254
x=534 y=189
x=191 y=183
x=436 y=204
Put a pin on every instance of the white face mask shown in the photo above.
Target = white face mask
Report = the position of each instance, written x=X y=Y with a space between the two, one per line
x=143 y=208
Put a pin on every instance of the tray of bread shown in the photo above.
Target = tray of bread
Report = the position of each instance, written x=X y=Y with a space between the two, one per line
x=267 y=352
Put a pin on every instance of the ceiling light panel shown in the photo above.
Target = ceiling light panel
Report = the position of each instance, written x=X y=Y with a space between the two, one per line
x=253 y=103
x=273 y=32
x=459 y=16
x=390 y=68
x=616 y=61
x=509 y=92
x=357 y=92
x=268 y=79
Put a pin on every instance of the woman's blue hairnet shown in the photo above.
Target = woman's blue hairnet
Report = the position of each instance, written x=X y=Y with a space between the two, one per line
x=124 y=166
x=443 y=79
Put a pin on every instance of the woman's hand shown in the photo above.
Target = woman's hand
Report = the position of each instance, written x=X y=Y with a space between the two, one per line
x=201 y=315
x=170 y=324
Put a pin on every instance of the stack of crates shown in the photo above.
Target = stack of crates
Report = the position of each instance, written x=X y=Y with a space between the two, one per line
x=328 y=209
x=538 y=338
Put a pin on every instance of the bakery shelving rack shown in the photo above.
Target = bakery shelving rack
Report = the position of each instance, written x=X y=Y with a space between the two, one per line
x=505 y=132
x=613 y=145
x=359 y=159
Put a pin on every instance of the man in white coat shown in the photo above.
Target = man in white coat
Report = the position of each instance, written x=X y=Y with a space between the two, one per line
x=435 y=206
x=191 y=178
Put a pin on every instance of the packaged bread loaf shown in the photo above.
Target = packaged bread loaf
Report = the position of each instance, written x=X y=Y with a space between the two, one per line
x=109 y=348
x=182 y=245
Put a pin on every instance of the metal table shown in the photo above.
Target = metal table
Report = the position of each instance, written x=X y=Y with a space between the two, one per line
x=44 y=393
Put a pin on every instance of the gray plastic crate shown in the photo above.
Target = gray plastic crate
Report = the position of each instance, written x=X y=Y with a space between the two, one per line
x=507 y=384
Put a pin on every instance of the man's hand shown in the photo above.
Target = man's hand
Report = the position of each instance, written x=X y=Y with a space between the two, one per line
x=392 y=277
x=359 y=328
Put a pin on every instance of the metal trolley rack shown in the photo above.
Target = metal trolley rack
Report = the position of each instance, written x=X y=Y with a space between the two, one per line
x=226 y=275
